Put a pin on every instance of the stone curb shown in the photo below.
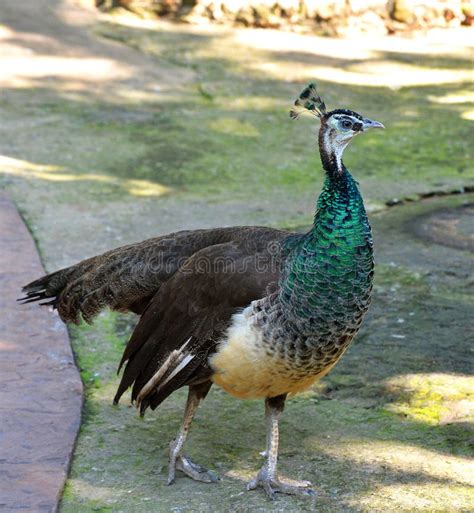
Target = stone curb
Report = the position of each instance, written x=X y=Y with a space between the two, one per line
x=40 y=386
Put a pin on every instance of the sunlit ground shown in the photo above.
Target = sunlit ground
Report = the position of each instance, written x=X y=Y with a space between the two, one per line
x=118 y=129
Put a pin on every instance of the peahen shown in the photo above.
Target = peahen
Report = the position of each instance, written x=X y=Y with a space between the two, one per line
x=260 y=312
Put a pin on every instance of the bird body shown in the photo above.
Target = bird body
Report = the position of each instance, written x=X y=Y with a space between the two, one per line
x=285 y=341
x=248 y=368
x=260 y=312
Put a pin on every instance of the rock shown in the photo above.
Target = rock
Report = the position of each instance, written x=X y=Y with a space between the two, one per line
x=467 y=9
x=324 y=9
x=368 y=21
x=232 y=7
x=264 y=17
x=426 y=12
x=399 y=11
x=246 y=16
x=331 y=16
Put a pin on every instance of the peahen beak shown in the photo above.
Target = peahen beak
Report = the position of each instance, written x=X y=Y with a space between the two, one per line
x=367 y=124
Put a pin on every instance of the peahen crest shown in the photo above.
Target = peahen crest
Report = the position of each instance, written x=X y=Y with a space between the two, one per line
x=309 y=100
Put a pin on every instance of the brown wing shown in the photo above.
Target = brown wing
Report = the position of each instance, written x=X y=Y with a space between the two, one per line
x=126 y=278
x=170 y=345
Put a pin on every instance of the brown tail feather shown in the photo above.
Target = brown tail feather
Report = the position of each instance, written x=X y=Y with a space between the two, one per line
x=46 y=287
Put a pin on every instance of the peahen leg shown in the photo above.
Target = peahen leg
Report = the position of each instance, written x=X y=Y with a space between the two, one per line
x=179 y=461
x=267 y=476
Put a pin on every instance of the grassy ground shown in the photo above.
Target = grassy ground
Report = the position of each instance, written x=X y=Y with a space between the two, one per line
x=188 y=127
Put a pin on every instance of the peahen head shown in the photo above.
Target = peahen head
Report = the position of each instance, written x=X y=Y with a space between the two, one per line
x=338 y=127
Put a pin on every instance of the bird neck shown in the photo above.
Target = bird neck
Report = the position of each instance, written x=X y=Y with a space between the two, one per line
x=333 y=262
x=340 y=201
x=331 y=152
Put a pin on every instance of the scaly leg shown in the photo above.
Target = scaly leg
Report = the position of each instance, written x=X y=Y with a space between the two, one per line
x=179 y=461
x=267 y=476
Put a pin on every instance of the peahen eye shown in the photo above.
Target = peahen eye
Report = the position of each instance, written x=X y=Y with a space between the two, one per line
x=346 y=124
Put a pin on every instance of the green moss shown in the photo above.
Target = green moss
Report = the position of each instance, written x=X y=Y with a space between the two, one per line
x=399 y=277
x=423 y=405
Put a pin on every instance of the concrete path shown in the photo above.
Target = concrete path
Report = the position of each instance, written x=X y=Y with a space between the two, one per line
x=40 y=386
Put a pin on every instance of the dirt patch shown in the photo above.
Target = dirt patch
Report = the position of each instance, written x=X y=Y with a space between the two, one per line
x=452 y=227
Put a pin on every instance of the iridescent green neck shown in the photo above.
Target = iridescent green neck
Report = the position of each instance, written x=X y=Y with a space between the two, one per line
x=333 y=262
x=340 y=222
x=339 y=201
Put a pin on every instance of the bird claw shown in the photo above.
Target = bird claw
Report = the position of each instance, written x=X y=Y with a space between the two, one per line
x=191 y=469
x=272 y=486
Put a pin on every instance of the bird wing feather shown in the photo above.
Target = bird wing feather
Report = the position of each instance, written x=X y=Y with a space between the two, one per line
x=189 y=314
x=126 y=278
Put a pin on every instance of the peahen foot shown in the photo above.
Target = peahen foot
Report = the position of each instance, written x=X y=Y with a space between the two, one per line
x=191 y=469
x=273 y=485
x=267 y=476
x=177 y=460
